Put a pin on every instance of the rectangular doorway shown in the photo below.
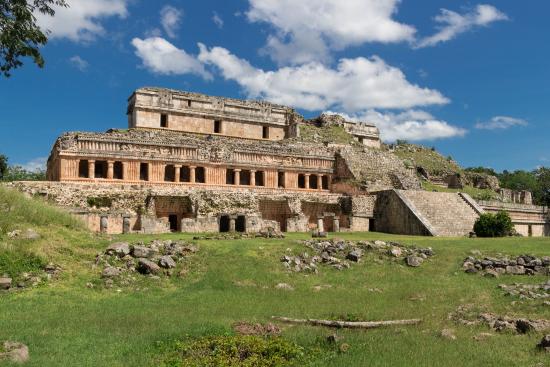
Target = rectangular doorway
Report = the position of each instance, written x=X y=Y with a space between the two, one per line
x=173 y=220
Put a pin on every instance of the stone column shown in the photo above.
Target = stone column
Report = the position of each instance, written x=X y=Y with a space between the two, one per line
x=306 y=178
x=319 y=182
x=237 y=176
x=336 y=224
x=150 y=172
x=103 y=224
x=177 y=171
x=192 y=173
x=252 y=178
x=124 y=170
x=91 y=169
x=320 y=224
x=126 y=225
x=232 y=223
x=110 y=169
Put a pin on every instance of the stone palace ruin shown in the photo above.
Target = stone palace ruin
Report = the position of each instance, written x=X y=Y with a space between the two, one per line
x=195 y=163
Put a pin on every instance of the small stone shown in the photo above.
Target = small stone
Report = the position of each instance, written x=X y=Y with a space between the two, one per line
x=491 y=273
x=448 y=334
x=354 y=255
x=333 y=339
x=167 y=262
x=121 y=249
x=30 y=234
x=544 y=343
x=5 y=283
x=482 y=336
x=515 y=270
x=284 y=286
x=395 y=252
x=15 y=352
x=414 y=261
x=89 y=285
x=14 y=234
x=344 y=347
x=475 y=252
x=140 y=251
x=145 y=266
x=110 y=272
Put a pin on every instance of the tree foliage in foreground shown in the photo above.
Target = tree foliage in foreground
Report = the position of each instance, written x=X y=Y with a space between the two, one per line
x=20 y=35
x=17 y=173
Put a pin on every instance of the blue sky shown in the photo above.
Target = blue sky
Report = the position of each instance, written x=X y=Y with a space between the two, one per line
x=470 y=78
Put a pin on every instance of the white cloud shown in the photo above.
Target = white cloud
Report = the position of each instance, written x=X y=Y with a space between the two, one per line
x=354 y=85
x=452 y=23
x=501 y=122
x=412 y=125
x=306 y=30
x=161 y=57
x=218 y=21
x=80 y=22
x=170 y=18
x=35 y=164
x=79 y=63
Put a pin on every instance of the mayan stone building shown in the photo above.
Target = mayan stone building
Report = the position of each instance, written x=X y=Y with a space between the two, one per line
x=195 y=163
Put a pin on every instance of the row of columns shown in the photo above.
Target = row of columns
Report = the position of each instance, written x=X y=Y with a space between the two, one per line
x=321 y=223
x=192 y=173
x=237 y=176
x=110 y=169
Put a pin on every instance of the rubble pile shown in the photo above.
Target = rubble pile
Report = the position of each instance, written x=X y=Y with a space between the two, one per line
x=339 y=254
x=527 y=291
x=495 y=266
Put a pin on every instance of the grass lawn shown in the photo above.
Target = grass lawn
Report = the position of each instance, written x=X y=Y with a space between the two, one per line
x=64 y=323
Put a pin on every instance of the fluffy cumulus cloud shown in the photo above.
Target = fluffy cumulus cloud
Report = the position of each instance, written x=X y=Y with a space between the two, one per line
x=306 y=30
x=81 y=21
x=170 y=18
x=79 y=63
x=451 y=23
x=412 y=125
x=501 y=123
x=161 y=57
x=36 y=164
x=353 y=85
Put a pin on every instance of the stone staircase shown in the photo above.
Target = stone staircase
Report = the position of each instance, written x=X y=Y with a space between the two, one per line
x=444 y=214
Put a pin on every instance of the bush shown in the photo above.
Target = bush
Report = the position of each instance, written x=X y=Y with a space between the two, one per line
x=494 y=225
x=229 y=351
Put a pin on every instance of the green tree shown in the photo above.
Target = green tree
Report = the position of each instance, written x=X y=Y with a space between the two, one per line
x=494 y=225
x=518 y=180
x=20 y=35
x=18 y=173
x=3 y=165
x=542 y=192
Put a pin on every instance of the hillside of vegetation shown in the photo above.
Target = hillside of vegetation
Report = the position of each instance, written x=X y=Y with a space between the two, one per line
x=76 y=319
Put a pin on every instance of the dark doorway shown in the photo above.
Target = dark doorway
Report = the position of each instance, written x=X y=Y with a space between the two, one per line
x=173 y=220
x=240 y=224
x=170 y=173
x=372 y=227
x=259 y=178
x=185 y=174
x=244 y=178
x=200 y=175
x=229 y=177
x=281 y=179
x=224 y=223
x=118 y=171
x=83 y=168
x=313 y=182
x=100 y=169
x=301 y=181
x=144 y=171
x=324 y=183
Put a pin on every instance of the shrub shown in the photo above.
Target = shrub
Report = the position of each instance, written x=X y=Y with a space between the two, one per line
x=233 y=351
x=494 y=225
x=100 y=202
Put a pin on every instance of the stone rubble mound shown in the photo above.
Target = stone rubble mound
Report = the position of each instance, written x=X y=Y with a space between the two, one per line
x=339 y=254
x=520 y=265
x=268 y=233
x=121 y=260
x=466 y=315
x=527 y=291
x=26 y=280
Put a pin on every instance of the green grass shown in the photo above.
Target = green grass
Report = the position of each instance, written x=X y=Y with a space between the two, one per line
x=477 y=194
x=325 y=134
x=66 y=323
x=433 y=162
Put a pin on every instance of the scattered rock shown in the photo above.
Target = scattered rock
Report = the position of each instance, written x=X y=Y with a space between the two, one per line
x=448 y=334
x=544 y=343
x=141 y=251
x=110 y=272
x=333 y=338
x=5 y=283
x=30 y=234
x=167 y=262
x=396 y=252
x=482 y=336
x=14 y=234
x=284 y=286
x=520 y=265
x=146 y=266
x=414 y=261
x=491 y=273
x=120 y=249
x=246 y=328
x=15 y=352
x=354 y=255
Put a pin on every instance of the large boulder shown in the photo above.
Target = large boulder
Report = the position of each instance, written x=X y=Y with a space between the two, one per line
x=515 y=270
x=414 y=261
x=14 y=352
x=141 y=251
x=5 y=283
x=110 y=272
x=146 y=266
x=167 y=262
x=120 y=249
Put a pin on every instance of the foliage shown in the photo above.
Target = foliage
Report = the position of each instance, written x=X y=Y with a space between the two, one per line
x=479 y=169
x=542 y=190
x=14 y=262
x=474 y=192
x=434 y=163
x=518 y=180
x=20 y=35
x=18 y=173
x=325 y=134
x=3 y=165
x=236 y=351
x=494 y=225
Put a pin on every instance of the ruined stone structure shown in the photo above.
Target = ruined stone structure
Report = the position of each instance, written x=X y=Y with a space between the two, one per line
x=195 y=163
